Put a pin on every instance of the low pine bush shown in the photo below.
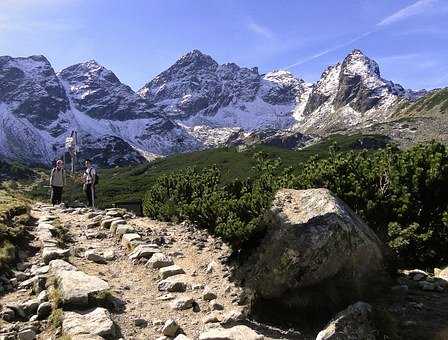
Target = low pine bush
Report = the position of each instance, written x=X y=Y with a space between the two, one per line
x=402 y=195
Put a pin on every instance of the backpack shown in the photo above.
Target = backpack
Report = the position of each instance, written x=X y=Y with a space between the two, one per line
x=97 y=178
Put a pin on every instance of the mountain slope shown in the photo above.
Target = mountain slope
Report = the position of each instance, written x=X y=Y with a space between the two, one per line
x=195 y=104
x=351 y=93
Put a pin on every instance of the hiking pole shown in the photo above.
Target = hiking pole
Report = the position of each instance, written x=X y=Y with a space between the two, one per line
x=93 y=196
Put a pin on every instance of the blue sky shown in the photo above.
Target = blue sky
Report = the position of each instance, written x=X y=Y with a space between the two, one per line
x=137 y=39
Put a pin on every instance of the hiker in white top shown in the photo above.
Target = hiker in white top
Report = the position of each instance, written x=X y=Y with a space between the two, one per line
x=89 y=182
x=57 y=182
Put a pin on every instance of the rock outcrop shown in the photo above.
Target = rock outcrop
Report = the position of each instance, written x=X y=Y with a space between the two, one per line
x=317 y=253
x=355 y=322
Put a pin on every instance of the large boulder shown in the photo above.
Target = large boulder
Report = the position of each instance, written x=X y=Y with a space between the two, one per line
x=317 y=253
x=355 y=322
x=78 y=288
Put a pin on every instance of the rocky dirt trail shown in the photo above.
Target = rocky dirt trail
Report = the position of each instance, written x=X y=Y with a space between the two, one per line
x=94 y=274
x=106 y=274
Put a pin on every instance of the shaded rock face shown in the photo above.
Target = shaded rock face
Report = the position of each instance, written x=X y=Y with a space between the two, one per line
x=317 y=253
x=31 y=89
x=355 y=322
x=98 y=92
x=197 y=83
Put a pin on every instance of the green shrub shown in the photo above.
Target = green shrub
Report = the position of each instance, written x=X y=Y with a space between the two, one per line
x=402 y=195
x=233 y=211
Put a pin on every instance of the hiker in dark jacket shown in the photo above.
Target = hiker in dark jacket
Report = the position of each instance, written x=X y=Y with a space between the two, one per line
x=57 y=182
x=89 y=182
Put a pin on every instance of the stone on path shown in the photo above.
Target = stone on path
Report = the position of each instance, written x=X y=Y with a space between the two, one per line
x=92 y=255
x=44 y=310
x=26 y=334
x=92 y=322
x=58 y=265
x=105 y=224
x=173 y=284
x=166 y=272
x=77 y=287
x=170 y=328
x=128 y=239
x=355 y=322
x=144 y=250
x=182 y=303
x=114 y=225
x=124 y=229
x=159 y=260
x=181 y=337
x=53 y=253
x=208 y=294
x=234 y=333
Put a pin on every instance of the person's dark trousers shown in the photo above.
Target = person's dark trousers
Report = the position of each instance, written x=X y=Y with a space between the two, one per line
x=56 y=195
x=89 y=192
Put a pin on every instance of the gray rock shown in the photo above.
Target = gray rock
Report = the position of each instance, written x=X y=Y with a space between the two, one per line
x=105 y=224
x=208 y=294
x=27 y=334
x=234 y=316
x=109 y=254
x=234 y=333
x=166 y=272
x=8 y=336
x=215 y=305
x=124 y=229
x=42 y=297
x=21 y=276
x=141 y=323
x=94 y=256
x=44 y=310
x=53 y=253
x=91 y=322
x=443 y=274
x=55 y=266
x=355 y=322
x=182 y=337
x=127 y=240
x=115 y=224
x=170 y=328
x=314 y=237
x=8 y=314
x=77 y=287
x=182 y=303
x=159 y=260
x=30 y=307
x=144 y=251
x=177 y=283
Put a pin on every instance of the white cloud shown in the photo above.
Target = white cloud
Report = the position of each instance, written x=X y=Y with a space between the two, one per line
x=260 y=30
x=329 y=50
x=416 y=8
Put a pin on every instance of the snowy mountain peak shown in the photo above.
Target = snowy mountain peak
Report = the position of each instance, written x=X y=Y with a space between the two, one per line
x=88 y=71
x=196 y=103
x=194 y=60
x=357 y=63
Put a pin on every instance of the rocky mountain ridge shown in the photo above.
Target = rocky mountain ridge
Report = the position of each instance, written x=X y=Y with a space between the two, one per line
x=194 y=104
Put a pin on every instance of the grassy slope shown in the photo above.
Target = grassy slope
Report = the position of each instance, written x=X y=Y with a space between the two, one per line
x=435 y=102
x=13 y=216
x=130 y=183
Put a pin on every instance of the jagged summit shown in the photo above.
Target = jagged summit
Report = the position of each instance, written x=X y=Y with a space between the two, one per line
x=358 y=63
x=195 y=103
